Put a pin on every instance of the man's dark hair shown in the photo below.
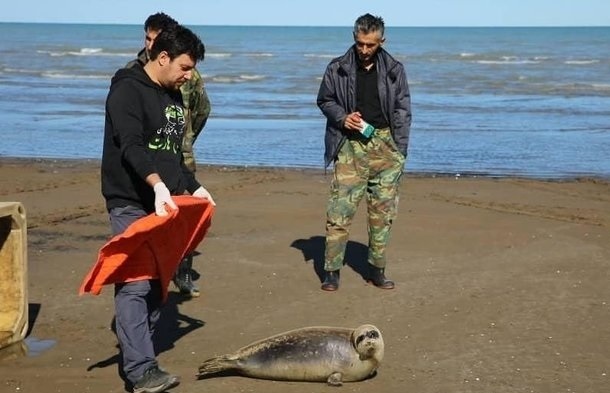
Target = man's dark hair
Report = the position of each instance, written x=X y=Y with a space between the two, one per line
x=159 y=22
x=177 y=40
x=368 y=23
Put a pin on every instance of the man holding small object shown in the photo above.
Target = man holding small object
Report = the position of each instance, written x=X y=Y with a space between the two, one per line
x=365 y=98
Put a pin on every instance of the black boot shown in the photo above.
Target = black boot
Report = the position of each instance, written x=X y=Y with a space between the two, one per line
x=377 y=278
x=183 y=279
x=331 y=281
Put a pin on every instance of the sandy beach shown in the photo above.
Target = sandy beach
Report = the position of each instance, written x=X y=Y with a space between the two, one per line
x=501 y=284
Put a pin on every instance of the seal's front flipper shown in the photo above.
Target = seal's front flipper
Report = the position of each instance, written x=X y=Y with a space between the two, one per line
x=335 y=379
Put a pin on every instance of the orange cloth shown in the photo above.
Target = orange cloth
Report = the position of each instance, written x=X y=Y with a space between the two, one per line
x=152 y=246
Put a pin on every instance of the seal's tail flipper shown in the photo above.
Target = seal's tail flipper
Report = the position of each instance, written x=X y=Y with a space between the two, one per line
x=217 y=364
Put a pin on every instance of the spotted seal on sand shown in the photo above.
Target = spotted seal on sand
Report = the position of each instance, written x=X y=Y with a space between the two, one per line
x=318 y=353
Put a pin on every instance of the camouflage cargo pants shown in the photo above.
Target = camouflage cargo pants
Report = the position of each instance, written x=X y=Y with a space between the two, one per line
x=372 y=167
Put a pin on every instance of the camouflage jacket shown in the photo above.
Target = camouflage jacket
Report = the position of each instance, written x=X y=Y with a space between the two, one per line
x=196 y=109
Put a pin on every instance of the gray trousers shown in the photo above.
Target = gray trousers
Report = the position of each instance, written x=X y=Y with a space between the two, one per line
x=137 y=309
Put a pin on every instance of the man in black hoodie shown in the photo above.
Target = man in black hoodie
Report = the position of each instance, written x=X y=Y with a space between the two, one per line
x=142 y=167
x=196 y=112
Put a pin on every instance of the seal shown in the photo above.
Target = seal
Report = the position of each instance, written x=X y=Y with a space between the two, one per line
x=315 y=354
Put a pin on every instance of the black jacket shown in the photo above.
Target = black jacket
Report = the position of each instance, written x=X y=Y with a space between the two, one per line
x=337 y=98
x=142 y=135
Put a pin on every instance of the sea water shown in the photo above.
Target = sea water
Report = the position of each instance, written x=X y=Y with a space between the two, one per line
x=531 y=102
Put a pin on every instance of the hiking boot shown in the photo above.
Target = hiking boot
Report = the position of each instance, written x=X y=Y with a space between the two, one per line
x=377 y=278
x=331 y=281
x=184 y=282
x=183 y=279
x=155 y=380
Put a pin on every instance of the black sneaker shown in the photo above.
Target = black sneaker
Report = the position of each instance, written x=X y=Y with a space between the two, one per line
x=155 y=380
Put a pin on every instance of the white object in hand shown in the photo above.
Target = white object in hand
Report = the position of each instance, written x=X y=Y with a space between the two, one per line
x=203 y=193
x=162 y=197
x=367 y=129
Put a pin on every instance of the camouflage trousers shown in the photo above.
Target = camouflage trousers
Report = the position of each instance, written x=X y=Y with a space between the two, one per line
x=372 y=167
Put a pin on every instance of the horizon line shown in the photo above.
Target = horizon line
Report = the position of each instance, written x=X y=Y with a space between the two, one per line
x=297 y=25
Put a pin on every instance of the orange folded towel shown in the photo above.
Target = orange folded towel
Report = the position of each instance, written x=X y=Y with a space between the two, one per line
x=151 y=247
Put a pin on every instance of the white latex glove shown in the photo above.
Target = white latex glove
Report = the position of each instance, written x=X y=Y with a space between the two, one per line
x=163 y=197
x=203 y=193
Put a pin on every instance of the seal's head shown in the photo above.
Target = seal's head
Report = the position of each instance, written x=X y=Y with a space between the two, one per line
x=368 y=342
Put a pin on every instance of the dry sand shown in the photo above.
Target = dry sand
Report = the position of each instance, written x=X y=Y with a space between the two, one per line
x=502 y=284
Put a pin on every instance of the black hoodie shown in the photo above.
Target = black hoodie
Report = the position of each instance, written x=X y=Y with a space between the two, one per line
x=142 y=135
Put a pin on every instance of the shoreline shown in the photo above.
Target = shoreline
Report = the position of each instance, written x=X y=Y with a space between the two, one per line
x=8 y=160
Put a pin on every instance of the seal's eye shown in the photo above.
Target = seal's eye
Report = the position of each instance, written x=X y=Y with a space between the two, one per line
x=360 y=338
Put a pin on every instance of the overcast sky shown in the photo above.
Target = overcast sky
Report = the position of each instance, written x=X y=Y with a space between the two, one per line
x=317 y=12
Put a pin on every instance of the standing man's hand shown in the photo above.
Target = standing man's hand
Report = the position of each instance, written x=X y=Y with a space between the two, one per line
x=203 y=193
x=353 y=121
x=162 y=198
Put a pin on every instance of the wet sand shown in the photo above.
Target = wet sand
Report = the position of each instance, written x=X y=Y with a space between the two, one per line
x=502 y=284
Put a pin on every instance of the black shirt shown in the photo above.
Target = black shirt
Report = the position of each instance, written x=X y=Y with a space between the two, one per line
x=367 y=97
